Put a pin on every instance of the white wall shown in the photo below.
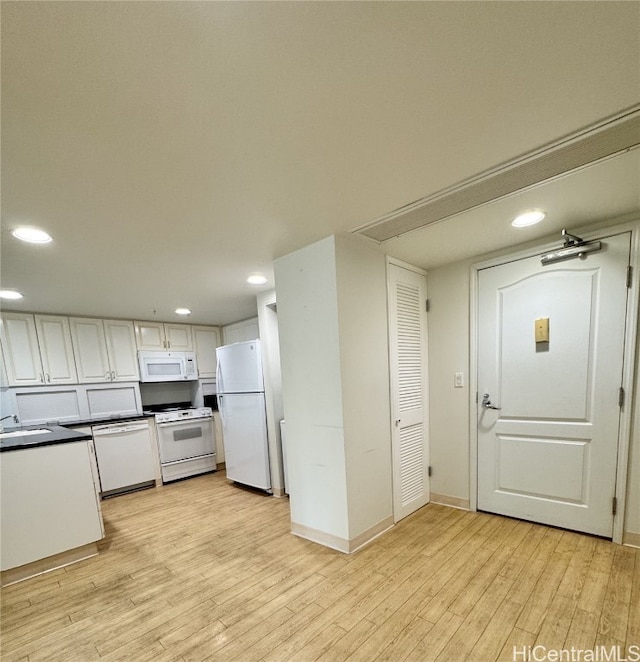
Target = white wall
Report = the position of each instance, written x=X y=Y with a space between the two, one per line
x=335 y=378
x=449 y=342
x=632 y=515
x=448 y=337
x=362 y=316
x=269 y=337
x=6 y=407
x=311 y=386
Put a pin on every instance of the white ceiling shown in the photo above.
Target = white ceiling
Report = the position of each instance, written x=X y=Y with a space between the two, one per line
x=173 y=148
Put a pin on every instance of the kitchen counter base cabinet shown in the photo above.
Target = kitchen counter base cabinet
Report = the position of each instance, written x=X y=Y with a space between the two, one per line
x=49 y=513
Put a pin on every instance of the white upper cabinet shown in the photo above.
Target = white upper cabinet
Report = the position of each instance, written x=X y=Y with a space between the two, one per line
x=150 y=335
x=37 y=349
x=156 y=335
x=56 y=350
x=178 y=337
x=105 y=350
x=241 y=331
x=205 y=340
x=20 y=350
x=52 y=349
x=90 y=349
x=121 y=350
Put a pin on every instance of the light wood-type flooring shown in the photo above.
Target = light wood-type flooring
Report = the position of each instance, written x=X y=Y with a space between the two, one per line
x=204 y=570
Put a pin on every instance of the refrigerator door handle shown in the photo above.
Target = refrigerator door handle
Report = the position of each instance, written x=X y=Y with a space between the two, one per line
x=221 y=409
x=219 y=388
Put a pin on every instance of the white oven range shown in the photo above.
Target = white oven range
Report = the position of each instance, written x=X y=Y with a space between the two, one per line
x=186 y=442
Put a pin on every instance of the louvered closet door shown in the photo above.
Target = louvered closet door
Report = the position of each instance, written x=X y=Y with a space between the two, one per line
x=407 y=340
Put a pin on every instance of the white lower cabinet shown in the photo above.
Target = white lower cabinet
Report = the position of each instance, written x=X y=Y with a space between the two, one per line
x=86 y=429
x=48 y=502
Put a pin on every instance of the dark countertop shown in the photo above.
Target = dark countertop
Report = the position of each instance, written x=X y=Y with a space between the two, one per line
x=103 y=420
x=58 y=435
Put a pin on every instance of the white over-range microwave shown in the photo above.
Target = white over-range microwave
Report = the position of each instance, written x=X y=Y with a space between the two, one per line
x=167 y=366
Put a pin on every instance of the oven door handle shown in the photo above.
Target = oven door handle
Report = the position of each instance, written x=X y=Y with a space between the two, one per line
x=194 y=421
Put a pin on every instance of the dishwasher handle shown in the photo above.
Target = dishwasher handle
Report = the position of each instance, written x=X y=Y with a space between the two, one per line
x=104 y=430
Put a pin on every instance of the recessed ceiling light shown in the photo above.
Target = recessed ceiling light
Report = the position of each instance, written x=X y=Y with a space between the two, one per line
x=256 y=279
x=528 y=218
x=10 y=294
x=183 y=311
x=32 y=235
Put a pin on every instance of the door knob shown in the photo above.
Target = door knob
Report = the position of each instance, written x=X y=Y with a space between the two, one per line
x=486 y=402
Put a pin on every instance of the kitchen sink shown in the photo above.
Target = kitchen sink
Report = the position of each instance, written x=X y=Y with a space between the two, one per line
x=22 y=433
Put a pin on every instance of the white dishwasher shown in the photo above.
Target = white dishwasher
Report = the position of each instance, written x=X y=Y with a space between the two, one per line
x=125 y=456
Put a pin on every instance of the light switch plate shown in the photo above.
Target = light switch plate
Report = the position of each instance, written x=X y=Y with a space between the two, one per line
x=542 y=329
x=458 y=380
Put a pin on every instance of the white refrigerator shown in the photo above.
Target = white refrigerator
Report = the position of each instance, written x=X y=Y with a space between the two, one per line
x=240 y=388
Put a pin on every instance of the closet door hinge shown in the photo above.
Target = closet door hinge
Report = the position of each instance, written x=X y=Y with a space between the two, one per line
x=629 y=275
x=429 y=471
x=621 y=397
x=614 y=506
x=427 y=305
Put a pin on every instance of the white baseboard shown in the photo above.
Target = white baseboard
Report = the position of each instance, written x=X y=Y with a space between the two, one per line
x=342 y=544
x=14 y=575
x=454 y=502
x=631 y=539
x=322 y=538
x=370 y=534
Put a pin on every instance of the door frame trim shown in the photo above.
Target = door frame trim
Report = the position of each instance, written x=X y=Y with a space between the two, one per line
x=629 y=356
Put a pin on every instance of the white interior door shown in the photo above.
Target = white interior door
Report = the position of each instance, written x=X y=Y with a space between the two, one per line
x=407 y=350
x=547 y=452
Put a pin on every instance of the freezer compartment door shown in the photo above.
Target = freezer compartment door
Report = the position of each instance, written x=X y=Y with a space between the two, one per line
x=240 y=368
x=245 y=439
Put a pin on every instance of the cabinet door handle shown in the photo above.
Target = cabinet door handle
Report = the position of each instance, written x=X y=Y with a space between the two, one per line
x=113 y=376
x=41 y=377
x=106 y=375
x=48 y=378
